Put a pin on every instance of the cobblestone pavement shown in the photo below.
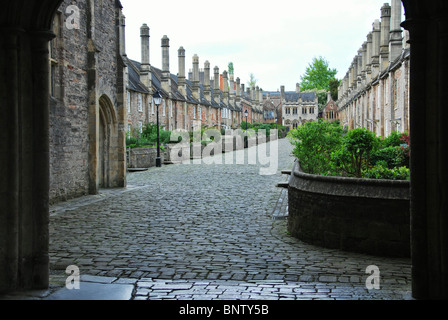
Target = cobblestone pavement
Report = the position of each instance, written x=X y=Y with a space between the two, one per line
x=191 y=231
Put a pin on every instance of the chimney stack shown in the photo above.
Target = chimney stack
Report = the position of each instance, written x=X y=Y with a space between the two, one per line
x=225 y=86
x=207 y=90
x=145 y=73
x=216 y=87
x=181 y=75
x=238 y=90
x=196 y=86
x=396 y=35
x=369 y=57
x=385 y=35
x=166 y=76
x=376 y=41
x=297 y=87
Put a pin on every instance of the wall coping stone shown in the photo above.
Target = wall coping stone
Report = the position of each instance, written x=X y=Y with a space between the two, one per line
x=350 y=187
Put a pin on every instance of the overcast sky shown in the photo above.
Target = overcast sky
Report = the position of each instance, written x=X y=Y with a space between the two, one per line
x=274 y=40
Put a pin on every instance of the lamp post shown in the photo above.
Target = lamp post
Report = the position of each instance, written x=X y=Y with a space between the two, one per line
x=158 y=100
x=246 y=143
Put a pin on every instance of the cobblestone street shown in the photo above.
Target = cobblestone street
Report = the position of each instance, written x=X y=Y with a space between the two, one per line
x=191 y=231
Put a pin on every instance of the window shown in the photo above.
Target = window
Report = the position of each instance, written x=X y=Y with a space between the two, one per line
x=288 y=111
x=140 y=127
x=171 y=109
x=153 y=111
x=129 y=102
x=294 y=111
x=163 y=108
x=140 y=103
x=303 y=110
x=194 y=112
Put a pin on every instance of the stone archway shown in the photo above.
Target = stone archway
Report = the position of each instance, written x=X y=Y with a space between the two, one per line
x=107 y=142
x=24 y=124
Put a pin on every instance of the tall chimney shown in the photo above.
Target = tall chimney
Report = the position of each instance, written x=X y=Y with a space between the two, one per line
x=396 y=36
x=369 y=57
x=207 y=91
x=297 y=87
x=361 y=58
x=196 y=82
x=232 y=87
x=181 y=75
x=216 y=87
x=225 y=86
x=238 y=90
x=282 y=90
x=145 y=73
x=385 y=35
x=364 y=62
x=166 y=76
x=376 y=39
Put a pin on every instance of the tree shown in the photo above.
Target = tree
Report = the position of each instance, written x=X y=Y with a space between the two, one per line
x=318 y=75
x=252 y=82
x=231 y=69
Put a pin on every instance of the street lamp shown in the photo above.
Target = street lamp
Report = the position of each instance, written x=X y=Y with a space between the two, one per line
x=158 y=100
x=246 y=142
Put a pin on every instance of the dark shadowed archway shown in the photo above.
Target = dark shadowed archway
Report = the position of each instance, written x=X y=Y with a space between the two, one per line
x=24 y=139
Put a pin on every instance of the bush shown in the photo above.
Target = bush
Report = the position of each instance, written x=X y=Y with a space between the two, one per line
x=391 y=156
x=380 y=171
x=314 y=144
x=360 y=143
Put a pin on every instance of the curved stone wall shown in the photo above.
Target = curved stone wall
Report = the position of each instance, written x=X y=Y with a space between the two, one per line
x=359 y=215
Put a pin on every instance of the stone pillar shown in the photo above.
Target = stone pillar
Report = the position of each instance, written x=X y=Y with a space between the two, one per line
x=181 y=75
x=396 y=40
x=25 y=164
x=145 y=73
x=429 y=156
x=385 y=35
x=122 y=34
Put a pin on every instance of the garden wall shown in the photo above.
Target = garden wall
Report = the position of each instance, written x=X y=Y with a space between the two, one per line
x=359 y=215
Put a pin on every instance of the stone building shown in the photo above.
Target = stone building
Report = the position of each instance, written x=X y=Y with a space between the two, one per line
x=374 y=94
x=330 y=112
x=87 y=115
x=294 y=108
x=190 y=101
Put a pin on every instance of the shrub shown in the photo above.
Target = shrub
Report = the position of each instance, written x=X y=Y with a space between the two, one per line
x=382 y=172
x=391 y=156
x=314 y=143
x=360 y=143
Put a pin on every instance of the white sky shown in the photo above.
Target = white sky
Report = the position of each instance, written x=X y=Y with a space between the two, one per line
x=274 y=40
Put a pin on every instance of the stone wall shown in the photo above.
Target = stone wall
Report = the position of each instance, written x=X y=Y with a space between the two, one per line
x=87 y=114
x=359 y=215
